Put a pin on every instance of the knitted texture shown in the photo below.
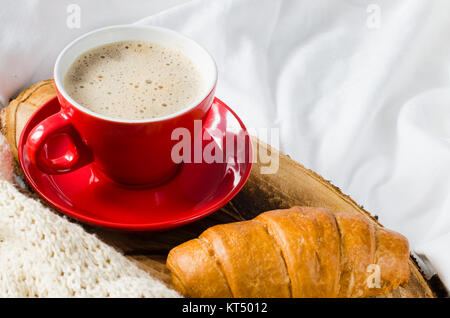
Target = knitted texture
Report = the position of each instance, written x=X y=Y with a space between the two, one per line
x=43 y=254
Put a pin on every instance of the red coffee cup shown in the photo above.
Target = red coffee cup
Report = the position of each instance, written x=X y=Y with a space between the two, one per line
x=130 y=152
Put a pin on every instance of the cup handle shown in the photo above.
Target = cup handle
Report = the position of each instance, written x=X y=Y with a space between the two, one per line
x=76 y=156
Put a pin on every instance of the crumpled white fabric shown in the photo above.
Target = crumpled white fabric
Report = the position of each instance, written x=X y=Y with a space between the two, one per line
x=365 y=104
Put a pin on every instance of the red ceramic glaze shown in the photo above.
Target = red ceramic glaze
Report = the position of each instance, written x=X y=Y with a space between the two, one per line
x=197 y=189
x=130 y=152
x=135 y=153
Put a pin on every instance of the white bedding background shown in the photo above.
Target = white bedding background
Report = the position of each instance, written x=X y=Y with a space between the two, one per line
x=360 y=90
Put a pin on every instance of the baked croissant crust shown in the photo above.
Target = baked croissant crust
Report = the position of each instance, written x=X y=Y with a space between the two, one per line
x=298 y=252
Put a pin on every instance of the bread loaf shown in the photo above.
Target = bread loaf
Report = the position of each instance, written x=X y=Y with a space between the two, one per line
x=298 y=252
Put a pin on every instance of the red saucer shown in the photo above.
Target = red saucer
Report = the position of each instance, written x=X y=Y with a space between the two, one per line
x=196 y=191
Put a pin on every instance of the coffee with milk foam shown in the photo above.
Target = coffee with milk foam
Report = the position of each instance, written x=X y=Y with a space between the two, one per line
x=134 y=80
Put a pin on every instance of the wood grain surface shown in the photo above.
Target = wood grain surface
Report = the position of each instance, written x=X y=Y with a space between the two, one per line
x=293 y=184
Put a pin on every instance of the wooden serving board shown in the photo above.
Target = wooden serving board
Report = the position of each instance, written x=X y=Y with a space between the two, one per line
x=293 y=184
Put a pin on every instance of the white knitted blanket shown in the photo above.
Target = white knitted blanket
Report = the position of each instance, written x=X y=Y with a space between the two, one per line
x=43 y=254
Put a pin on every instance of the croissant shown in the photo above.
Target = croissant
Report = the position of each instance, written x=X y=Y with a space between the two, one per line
x=298 y=252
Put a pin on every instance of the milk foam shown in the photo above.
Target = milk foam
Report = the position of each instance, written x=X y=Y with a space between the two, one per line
x=134 y=80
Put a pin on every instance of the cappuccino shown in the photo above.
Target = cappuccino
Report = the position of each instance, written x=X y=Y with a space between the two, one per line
x=134 y=80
